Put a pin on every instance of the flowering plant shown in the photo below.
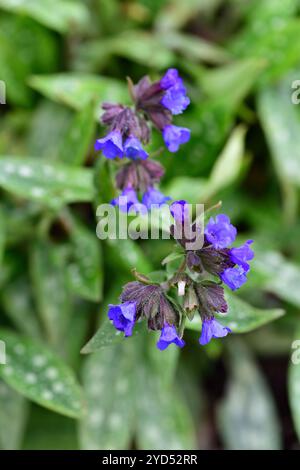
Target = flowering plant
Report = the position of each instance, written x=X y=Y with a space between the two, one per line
x=200 y=276
x=224 y=126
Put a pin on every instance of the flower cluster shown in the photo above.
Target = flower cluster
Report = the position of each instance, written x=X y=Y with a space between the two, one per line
x=129 y=130
x=197 y=284
x=198 y=280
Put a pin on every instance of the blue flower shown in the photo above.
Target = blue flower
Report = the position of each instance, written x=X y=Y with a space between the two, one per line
x=154 y=197
x=242 y=254
x=212 y=329
x=111 y=145
x=127 y=200
x=179 y=211
x=133 y=149
x=169 y=335
x=220 y=232
x=170 y=79
x=174 y=136
x=123 y=316
x=174 y=98
x=234 y=277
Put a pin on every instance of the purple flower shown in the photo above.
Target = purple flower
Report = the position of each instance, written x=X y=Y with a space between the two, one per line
x=212 y=329
x=133 y=149
x=169 y=335
x=154 y=197
x=234 y=277
x=179 y=211
x=111 y=145
x=171 y=78
x=175 y=98
x=127 y=200
x=174 y=136
x=123 y=316
x=220 y=232
x=242 y=254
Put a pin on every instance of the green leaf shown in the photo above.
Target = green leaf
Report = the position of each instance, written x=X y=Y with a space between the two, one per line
x=138 y=46
x=188 y=188
x=109 y=392
x=50 y=289
x=13 y=71
x=294 y=382
x=229 y=164
x=2 y=233
x=263 y=10
x=21 y=220
x=20 y=308
x=231 y=83
x=51 y=184
x=172 y=257
x=163 y=419
x=79 y=324
x=22 y=54
x=272 y=34
x=60 y=15
x=107 y=335
x=77 y=90
x=50 y=123
x=241 y=317
x=194 y=48
x=277 y=275
x=13 y=414
x=85 y=269
x=40 y=375
x=247 y=415
x=60 y=432
x=128 y=255
x=103 y=181
x=281 y=120
x=177 y=13
x=224 y=173
x=77 y=142
x=140 y=388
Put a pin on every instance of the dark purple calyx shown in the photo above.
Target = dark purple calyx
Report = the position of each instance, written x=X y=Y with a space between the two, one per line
x=111 y=111
x=139 y=175
x=148 y=98
x=126 y=121
x=207 y=297
x=214 y=261
x=151 y=303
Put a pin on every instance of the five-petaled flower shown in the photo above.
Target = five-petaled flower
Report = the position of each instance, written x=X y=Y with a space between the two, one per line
x=111 y=145
x=168 y=336
x=174 y=136
x=175 y=98
x=134 y=149
x=219 y=231
x=123 y=316
x=212 y=329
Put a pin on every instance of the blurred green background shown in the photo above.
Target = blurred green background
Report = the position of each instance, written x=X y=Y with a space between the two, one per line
x=59 y=60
